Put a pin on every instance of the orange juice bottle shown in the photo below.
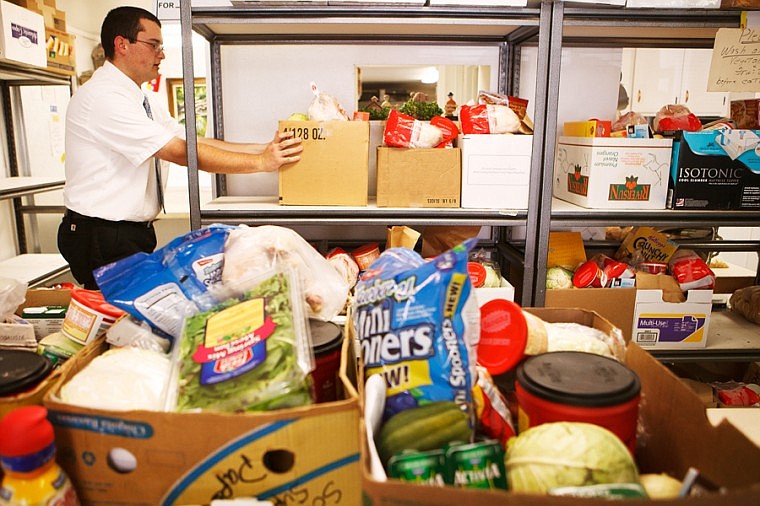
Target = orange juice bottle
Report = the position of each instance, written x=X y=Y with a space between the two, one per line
x=27 y=455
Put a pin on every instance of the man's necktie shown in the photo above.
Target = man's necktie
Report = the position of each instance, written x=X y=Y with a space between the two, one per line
x=156 y=164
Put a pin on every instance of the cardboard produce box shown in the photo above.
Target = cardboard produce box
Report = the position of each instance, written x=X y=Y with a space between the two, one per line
x=495 y=170
x=612 y=173
x=167 y=458
x=23 y=35
x=418 y=177
x=715 y=170
x=674 y=435
x=333 y=170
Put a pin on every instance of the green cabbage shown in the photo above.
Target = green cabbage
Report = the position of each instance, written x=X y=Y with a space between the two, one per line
x=567 y=454
x=557 y=277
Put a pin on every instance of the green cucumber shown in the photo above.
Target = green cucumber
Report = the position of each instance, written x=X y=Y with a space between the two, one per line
x=424 y=428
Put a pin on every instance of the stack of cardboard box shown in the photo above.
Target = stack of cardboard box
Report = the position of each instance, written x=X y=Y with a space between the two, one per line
x=59 y=44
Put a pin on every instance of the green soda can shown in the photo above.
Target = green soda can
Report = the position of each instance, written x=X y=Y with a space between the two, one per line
x=423 y=468
x=476 y=465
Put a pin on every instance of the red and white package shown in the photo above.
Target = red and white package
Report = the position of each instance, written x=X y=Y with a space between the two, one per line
x=403 y=131
x=612 y=268
x=488 y=119
x=690 y=270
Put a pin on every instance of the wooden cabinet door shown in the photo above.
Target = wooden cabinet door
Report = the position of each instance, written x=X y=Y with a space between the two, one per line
x=656 y=79
x=694 y=94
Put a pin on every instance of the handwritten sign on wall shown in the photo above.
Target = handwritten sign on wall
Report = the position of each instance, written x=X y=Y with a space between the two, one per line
x=735 y=64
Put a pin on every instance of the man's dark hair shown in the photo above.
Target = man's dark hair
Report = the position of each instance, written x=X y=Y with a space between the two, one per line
x=124 y=21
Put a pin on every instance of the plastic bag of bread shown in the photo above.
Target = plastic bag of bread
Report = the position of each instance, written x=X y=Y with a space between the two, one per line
x=746 y=302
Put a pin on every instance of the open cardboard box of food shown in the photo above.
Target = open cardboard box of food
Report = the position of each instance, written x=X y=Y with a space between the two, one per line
x=674 y=435
x=36 y=297
x=309 y=454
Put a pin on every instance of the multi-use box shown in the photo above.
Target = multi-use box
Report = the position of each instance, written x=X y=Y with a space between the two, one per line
x=612 y=173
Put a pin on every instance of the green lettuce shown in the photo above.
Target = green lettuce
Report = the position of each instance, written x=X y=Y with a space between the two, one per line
x=280 y=381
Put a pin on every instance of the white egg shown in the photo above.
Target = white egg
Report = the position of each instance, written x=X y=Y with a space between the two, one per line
x=122 y=460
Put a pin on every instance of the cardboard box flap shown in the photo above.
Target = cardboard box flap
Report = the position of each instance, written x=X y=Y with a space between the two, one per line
x=677 y=435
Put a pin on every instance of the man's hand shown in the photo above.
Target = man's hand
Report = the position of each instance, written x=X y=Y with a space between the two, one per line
x=284 y=149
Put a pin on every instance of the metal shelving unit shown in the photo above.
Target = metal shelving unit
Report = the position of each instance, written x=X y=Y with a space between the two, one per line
x=20 y=187
x=262 y=23
x=730 y=337
x=551 y=25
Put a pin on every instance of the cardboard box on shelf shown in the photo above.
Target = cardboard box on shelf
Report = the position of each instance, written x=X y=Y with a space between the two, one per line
x=310 y=452
x=675 y=436
x=418 y=177
x=642 y=314
x=612 y=173
x=590 y=128
x=671 y=325
x=495 y=170
x=60 y=51
x=32 y=5
x=333 y=169
x=54 y=18
x=23 y=35
x=715 y=170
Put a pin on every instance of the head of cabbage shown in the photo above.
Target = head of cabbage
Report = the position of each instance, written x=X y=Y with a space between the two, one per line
x=567 y=454
x=558 y=277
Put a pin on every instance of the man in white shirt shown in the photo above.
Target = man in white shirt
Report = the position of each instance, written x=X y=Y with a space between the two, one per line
x=112 y=193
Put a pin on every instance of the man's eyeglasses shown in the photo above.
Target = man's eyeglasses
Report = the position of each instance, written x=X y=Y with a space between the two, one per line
x=157 y=47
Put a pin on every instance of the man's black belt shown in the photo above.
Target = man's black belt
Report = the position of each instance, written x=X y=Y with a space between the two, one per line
x=75 y=216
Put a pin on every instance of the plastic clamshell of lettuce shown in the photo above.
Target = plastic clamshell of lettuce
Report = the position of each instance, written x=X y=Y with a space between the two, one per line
x=567 y=454
x=249 y=353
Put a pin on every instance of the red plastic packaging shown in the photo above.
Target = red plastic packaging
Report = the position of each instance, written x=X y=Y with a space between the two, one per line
x=403 y=131
x=691 y=271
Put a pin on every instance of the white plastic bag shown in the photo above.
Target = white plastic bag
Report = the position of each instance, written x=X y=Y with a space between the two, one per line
x=250 y=251
x=12 y=295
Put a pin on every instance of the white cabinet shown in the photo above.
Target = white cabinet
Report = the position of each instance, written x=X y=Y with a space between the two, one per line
x=674 y=76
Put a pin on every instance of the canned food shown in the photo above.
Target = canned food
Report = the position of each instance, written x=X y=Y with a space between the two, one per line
x=476 y=465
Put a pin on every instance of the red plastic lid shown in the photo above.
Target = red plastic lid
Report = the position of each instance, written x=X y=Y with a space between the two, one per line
x=25 y=430
x=503 y=335
x=95 y=300
x=585 y=275
x=477 y=273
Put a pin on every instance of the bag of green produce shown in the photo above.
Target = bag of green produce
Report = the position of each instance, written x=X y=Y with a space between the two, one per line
x=249 y=353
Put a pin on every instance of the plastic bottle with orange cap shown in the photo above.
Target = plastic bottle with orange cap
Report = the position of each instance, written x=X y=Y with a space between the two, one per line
x=27 y=455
